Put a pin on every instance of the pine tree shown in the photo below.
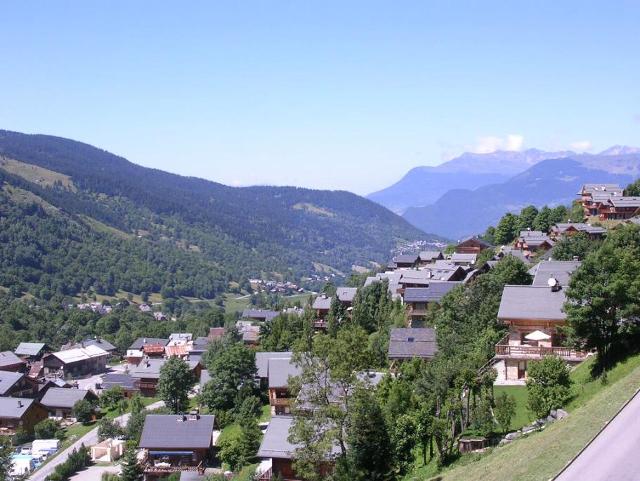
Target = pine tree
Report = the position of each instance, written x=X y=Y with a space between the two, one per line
x=131 y=470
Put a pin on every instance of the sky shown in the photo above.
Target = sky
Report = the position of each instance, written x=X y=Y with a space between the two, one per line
x=333 y=95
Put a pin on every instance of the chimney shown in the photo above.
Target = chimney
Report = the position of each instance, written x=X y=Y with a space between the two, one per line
x=19 y=403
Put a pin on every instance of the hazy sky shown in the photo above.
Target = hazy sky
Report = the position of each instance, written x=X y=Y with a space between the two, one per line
x=341 y=95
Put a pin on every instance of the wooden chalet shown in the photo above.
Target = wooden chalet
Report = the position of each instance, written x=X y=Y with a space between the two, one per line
x=76 y=362
x=417 y=300
x=533 y=241
x=472 y=245
x=279 y=372
x=10 y=362
x=17 y=384
x=20 y=414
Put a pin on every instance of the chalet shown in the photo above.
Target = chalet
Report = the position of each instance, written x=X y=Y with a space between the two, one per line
x=17 y=384
x=59 y=402
x=569 y=229
x=410 y=343
x=31 y=351
x=259 y=315
x=145 y=346
x=346 y=295
x=129 y=384
x=10 y=362
x=406 y=261
x=533 y=315
x=19 y=414
x=322 y=306
x=592 y=196
x=276 y=447
x=427 y=257
x=559 y=270
x=148 y=372
x=280 y=370
x=463 y=259
x=179 y=338
x=48 y=383
x=472 y=245
x=250 y=333
x=418 y=299
x=619 y=208
x=76 y=362
x=533 y=241
x=262 y=363
x=176 y=443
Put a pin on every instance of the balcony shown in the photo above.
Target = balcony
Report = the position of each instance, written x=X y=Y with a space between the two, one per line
x=524 y=351
x=280 y=401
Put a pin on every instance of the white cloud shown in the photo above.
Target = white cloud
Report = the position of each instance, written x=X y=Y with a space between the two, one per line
x=486 y=145
x=580 y=145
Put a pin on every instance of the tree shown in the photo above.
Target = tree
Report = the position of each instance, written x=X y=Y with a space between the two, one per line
x=368 y=438
x=578 y=245
x=233 y=372
x=403 y=440
x=548 y=385
x=506 y=229
x=174 y=384
x=83 y=411
x=135 y=425
x=633 y=189
x=131 y=470
x=504 y=410
x=47 y=429
x=107 y=428
x=603 y=307
x=527 y=217
x=110 y=398
x=6 y=451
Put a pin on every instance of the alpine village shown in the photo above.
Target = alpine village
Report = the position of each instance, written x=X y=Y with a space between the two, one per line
x=129 y=352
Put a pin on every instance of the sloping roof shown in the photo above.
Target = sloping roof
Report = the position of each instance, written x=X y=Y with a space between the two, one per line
x=8 y=380
x=29 y=348
x=80 y=354
x=460 y=257
x=560 y=270
x=60 y=397
x=532 y=302
x=148 y=369
x=280 y=370
x=562 y=227
x=275 y=443
x=7 y=358
x=620 y=201
x=262 y=361
x=14 y=407
x=346 y=294
x=474 y=240
x=179 y=350
x=261 y=314
x=590 y=188
x=250 y=333
x=216 y=332
x=139 y=343
x=101 y=343
x=205 y=377
x=406 y=259
x=433 y=293
x=428 y=256
x=170 y=431
x=125 y=381
x=406 y=343
x=322 y=302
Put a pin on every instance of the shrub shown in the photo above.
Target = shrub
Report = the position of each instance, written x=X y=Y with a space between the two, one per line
x=548 y=385
x=48 y=429
x=504 y=410
x=83 y=411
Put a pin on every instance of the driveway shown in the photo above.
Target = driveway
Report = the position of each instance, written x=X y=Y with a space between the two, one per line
x=94 y=473
x=88 y=439
x=613 y=454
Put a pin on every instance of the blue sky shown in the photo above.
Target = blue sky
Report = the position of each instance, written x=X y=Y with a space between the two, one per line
x=340 y=95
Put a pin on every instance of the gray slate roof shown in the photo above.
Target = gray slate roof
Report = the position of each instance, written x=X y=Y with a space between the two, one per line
x=101 y=343
x=406 y=343
x=14 y=407
x=7 y=358
x=29 y=348
x=279 y=372
x=560 y=270
x=625 y=201
x=275 y=443
x=150 y=368
x=262 y=361
x=562 y=227
x=322 y=302
x=459 y=257
x=346 y=294
x=60 y=397
x=125 y=381
x=428 y=256
x=406 y=259
x=433 y=293
x=259 y=314
x=142 y=341
x=532 y=302
x=169 y=431
x=8 y=380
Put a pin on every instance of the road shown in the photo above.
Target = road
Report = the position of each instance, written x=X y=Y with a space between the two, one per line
x=613 y=454
x=88 y=439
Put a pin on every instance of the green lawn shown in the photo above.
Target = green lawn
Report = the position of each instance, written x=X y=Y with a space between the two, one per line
x=522 y=416
x=540 y=456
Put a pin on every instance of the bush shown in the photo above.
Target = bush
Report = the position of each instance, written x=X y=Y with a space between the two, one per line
x=548 y=385
x=83 y=411
x=77 y=460
x=111 y=397
x=108 y=428
x=48 y=429
x=504 y=410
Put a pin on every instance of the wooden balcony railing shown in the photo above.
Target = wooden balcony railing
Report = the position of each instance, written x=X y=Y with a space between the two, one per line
x=538 y=351
x=280 y=401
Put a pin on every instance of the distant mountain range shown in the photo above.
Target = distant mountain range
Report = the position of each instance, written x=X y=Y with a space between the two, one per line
x=77 y=217
x=465 y=195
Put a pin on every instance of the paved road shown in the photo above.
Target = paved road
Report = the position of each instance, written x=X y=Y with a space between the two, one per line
x=88 y=439
x=614 y=455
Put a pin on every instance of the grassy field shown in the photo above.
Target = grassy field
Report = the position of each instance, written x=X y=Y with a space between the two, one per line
x=522 y=416
x=540 y=456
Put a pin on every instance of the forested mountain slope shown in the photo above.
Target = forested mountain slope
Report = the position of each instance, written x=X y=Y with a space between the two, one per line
x=74 y=216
